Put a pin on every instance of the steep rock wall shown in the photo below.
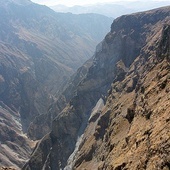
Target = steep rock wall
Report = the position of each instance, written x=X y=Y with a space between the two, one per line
x=132 y=132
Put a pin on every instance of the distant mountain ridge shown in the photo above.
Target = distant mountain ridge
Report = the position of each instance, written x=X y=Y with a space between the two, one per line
x=114 y=10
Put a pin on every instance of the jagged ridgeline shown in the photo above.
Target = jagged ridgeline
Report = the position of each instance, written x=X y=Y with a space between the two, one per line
x=39 y=50
x=118 y=103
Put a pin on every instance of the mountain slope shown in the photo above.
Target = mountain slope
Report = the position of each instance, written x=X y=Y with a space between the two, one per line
x=39 y=43
x=15 y=146
x=133 y=45
x=39 y=50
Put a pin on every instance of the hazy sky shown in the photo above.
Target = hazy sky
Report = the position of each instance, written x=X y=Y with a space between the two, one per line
x=74 y=2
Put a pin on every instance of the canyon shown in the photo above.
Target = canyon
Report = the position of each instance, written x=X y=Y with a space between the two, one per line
x=130 y=128
x=110 y=114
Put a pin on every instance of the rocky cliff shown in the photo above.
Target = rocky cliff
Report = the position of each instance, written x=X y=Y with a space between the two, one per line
x=132 y=130
x=129 y=73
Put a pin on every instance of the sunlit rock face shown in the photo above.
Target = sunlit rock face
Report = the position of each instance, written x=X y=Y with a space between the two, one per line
x=129 y=71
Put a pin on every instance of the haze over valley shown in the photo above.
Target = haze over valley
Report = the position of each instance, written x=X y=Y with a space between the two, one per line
x=113 y=8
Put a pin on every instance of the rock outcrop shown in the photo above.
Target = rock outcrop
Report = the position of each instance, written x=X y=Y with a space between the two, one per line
x=134 y=57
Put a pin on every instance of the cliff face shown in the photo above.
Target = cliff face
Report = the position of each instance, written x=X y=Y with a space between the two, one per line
x=135 y=57
x=132 y=131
